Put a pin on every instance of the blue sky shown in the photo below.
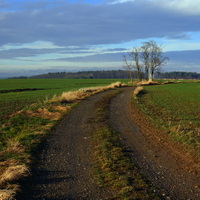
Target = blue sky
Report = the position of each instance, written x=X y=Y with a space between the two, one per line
x=39 y=36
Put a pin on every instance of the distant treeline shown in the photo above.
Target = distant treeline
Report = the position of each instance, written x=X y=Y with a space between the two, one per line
x=179 y=75
x=110 y=74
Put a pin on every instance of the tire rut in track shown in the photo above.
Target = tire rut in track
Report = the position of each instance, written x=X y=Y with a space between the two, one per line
x=175 y=177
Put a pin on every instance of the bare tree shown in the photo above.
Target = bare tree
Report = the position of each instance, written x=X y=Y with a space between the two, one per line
x=145 y=56
x=134 y=63
x=153 y=58
x=148 y=59
x=135 y=56
x=128 y=67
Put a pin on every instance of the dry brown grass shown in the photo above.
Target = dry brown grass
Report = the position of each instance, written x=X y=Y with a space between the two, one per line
x=14 y=147
x=44 y=113
x=148 y=83
x=10 y=175
x=8 y=162
x=138 y=90
x=5 y=164
x=7 y=194
x=72 y=96
x=61 y=108
x=114 y=85
x=13 y=173
x=82 y=93
x=55 y=114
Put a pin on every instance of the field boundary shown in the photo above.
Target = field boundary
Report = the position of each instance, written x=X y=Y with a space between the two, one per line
x=174 y=130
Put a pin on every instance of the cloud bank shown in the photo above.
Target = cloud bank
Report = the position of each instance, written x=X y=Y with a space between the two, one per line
x=67 y=24
x=85 y=31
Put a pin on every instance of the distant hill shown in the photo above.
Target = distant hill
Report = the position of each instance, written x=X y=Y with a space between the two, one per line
x=110 y=74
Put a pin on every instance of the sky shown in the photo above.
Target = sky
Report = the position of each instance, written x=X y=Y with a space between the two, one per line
x=41 y=36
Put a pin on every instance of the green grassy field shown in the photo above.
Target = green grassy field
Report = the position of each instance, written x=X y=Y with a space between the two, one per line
x=176 y=107
x=15 y=94
x=22 y=132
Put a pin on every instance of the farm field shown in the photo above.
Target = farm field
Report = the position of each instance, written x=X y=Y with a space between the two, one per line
x=175 y=107
x=22 y=132
x=16 y=94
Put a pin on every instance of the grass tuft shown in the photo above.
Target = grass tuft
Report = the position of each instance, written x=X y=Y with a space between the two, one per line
x=138 y=90
x=7 y=194
x=13 y=173
x=14 y=147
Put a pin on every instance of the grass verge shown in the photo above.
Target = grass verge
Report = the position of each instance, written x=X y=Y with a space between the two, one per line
x=26 y=129
x=113 y=166
x=175 y=109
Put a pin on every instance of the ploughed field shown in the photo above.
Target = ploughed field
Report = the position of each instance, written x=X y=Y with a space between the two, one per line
x=175 y=107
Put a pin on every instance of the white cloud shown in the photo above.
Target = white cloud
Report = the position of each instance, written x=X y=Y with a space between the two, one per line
x=33 y=45
x=182 y=45
x=191 y=7
x=118 y=1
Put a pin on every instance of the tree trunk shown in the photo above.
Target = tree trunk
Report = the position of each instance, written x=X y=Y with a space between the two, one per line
x=139 y=75
x=151 y=75
x=147 y=73
x=131 y=76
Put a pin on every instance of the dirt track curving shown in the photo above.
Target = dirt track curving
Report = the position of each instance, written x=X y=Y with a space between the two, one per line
x=176 y=175
x=64 y=171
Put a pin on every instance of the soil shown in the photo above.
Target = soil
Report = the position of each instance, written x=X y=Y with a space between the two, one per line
x=65 y=172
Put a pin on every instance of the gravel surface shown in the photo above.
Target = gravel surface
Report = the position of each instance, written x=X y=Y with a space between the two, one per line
x=172 y=172
x=64 y=169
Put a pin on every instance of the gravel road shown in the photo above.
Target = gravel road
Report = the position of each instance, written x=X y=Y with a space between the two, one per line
x=64 y=169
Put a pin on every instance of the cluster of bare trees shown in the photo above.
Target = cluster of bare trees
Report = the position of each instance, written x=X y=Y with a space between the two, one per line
x=145 y=60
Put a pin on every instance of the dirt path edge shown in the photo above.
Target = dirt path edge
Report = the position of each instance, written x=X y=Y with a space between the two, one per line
x=166 y=167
